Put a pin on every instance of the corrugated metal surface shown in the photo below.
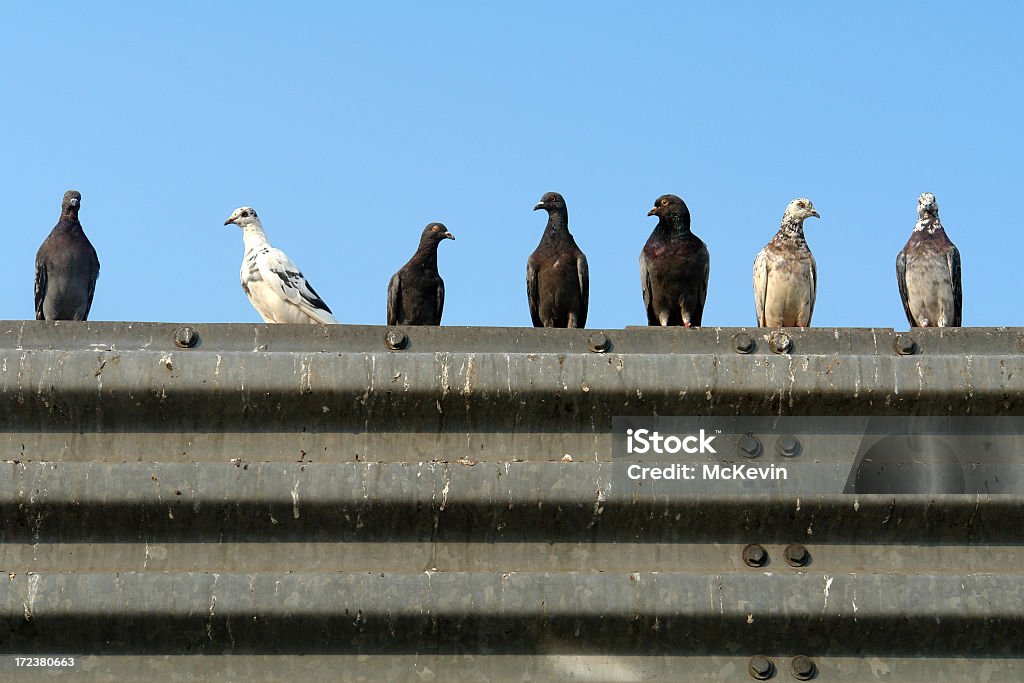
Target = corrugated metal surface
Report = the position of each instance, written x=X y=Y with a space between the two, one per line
x=319 y=507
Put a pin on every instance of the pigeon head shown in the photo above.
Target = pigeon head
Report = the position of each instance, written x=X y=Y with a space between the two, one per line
x=243 y=217
x=671 y=207
x=551 y=201
x=72 y=201
x=927 y=206
x=799 y=210
x=435 y=233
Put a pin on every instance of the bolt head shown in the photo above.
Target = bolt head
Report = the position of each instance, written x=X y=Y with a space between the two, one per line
x=796 y=555
x=761 y=667
x=780 y=342
x=396 y=340
x=750 y=446
x=743 y=342
x=787 y=445
x=598 y=342
x=905 y=345
x=754 y=555
x=185 y=337
x=803 y=668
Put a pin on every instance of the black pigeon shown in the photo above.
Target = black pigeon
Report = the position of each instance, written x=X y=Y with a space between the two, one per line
x=557 y=278
x=416 y=292
x=928 y=271
x=66 y=267
x=674 y=266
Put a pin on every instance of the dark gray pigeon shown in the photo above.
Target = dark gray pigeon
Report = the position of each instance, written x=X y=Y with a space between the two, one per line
x=785 y=275
x=66 y=267
x=674 y=266
x=416 y=292
x=557 y=278
x=928 y=271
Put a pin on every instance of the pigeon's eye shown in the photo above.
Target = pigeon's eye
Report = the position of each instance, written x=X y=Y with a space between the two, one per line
x=664 y=202
x=801 y=205
x=435 y=228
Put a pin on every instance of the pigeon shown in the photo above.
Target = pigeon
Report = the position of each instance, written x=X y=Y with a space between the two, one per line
x=785 y=277
x=557 y=278
x=416 y=292
x=928 y=271
x=66 y=267
x=275 y=286
x=674 y=267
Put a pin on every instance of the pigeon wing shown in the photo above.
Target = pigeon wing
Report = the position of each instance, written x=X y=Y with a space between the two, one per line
x=394 y=298
x=584 y=275
x=953 y=259
x=288 y=282
x=812 y=293
x=901 y=281
x=440 y=299
x=760 y=284
x=645 y=286
x=41 y=280
x=532 y=294
x=702 y=292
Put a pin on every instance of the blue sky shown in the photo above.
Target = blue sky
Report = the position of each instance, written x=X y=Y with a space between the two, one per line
x=350 y=128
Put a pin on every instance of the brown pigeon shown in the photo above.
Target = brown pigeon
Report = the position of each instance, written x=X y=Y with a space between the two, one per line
x=674 y=266
x=785 y=277
x=416 y=292
x=928 y=271
x=557 y=277
x=66 y=267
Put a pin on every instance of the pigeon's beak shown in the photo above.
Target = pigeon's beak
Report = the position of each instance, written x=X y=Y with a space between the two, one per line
x=229 y=221
x=448 y=236
x=653 y=212
x=815 y=214
x=540 y=205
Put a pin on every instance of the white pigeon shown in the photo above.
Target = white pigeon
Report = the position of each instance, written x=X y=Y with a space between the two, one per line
x=275 y=286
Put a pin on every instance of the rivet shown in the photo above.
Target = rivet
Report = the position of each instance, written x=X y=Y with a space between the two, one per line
x=761 y=667
x=905 y=345
x=787 y=445
x=185 y=337
x=598 y=342
x=780 y=342
x=750 y=446
x=395 y=340
x=796 y=555
x=743 y=342
x=754 y=555
x=803 y=668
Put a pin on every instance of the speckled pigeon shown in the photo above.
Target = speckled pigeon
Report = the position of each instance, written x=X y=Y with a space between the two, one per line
x=275 y=286
x=66 y=267
x=416 y=292
x=785 y=276
x=557 y=278
x=674 y=266
x=928 y=271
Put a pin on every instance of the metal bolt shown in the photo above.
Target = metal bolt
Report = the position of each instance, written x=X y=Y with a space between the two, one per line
x=395 y=340
x=780 y=342
x=905 y=345
x=787 y=445
x=185 y=337
x=754 y=555
x=749 y=446
x=803 y=668
x=598 y=342
x=743 y=342
x=761 y=667
x=796 y=555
